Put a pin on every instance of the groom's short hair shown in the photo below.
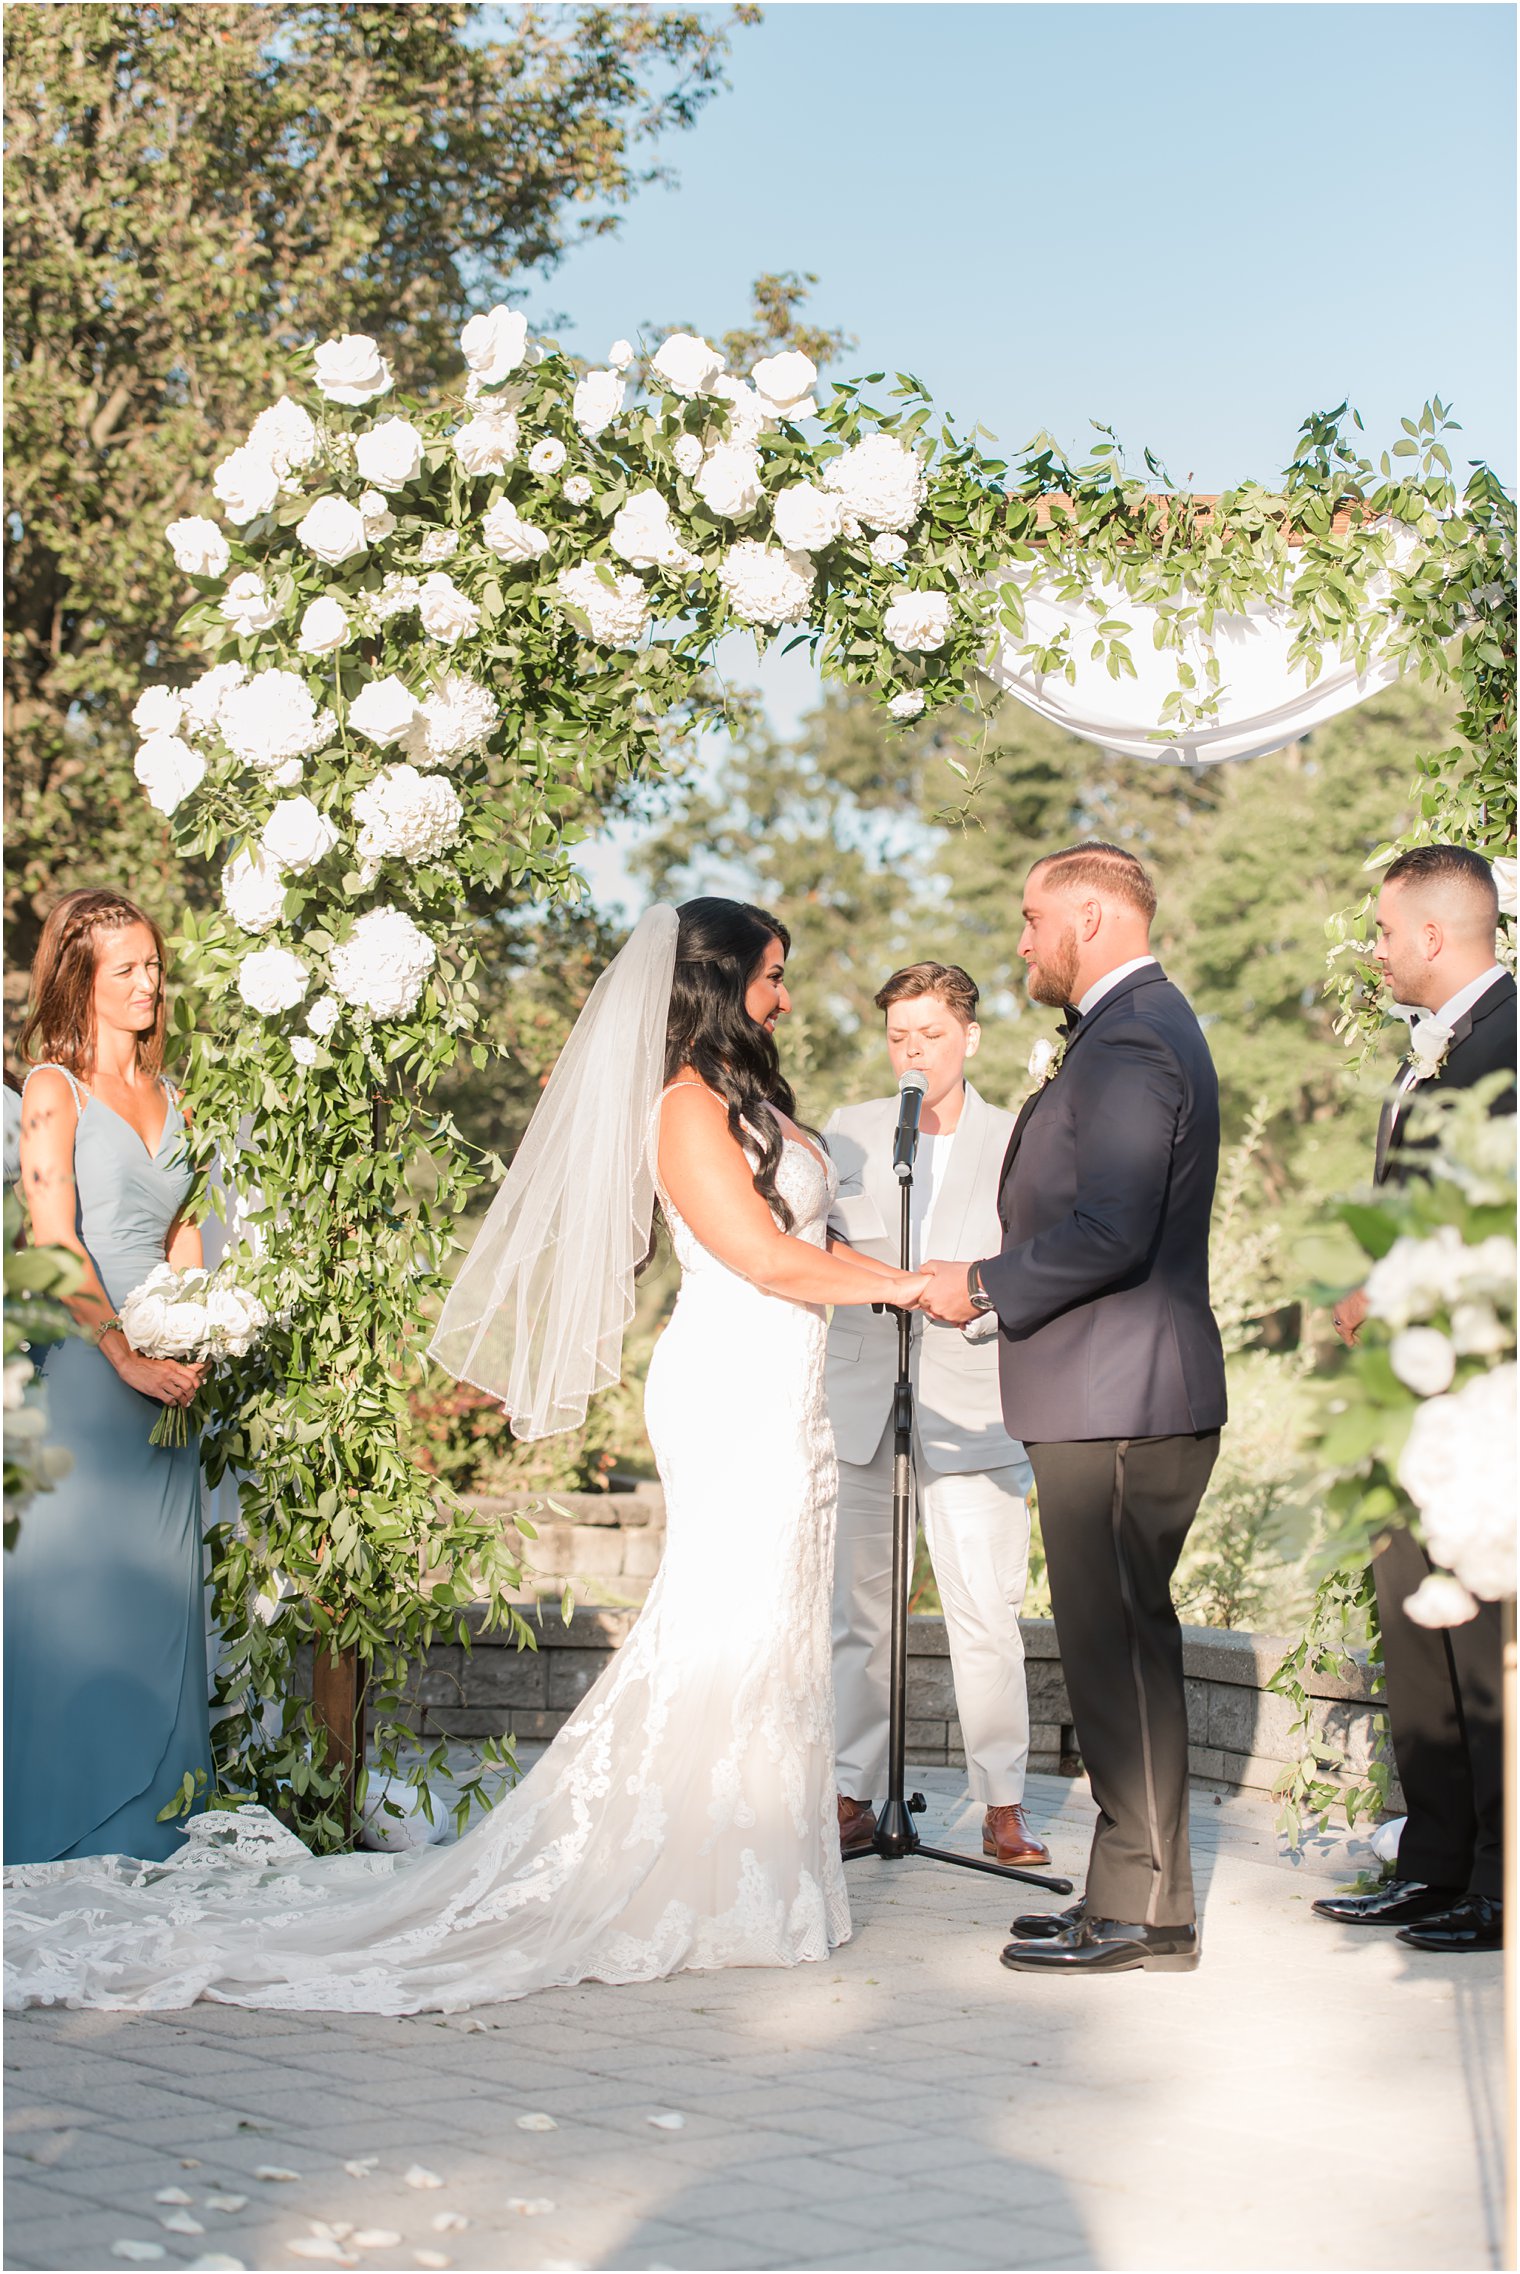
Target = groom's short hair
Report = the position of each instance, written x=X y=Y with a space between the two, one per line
x=955 y=988
x=1102 y=868
x=1447 y=865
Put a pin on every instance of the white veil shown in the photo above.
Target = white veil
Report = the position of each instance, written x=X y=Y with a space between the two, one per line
x=537 y=1314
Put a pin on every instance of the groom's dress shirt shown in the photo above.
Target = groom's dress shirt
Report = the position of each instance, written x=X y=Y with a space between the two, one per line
x=1102 y=1285
x=1109 y=981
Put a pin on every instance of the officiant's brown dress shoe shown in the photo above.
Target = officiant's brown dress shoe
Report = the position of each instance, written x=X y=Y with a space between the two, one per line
x=857 y=1826
x=1006 y=1835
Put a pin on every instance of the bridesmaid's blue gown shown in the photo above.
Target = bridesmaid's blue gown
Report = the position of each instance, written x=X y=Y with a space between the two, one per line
x=105 y=1646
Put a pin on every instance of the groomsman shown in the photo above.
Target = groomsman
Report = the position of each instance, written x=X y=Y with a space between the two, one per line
x=1436 y=919
x=972 y=1477
x=1113 y=1376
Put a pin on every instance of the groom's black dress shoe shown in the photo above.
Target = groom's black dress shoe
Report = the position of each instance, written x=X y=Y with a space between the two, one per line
x=1037 y=1926
x=1106 y=1946
x=1401 y=1903
x=1476 y=1922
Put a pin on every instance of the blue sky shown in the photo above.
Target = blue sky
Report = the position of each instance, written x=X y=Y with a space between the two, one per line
x=1196 y=223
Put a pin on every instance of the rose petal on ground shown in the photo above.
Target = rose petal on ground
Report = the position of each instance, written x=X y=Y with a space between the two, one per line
x=360 y=2167
x=275 y=2171
x=529 y=2206
x=173 y=2195
x=51 y=2149
x=226 y=2202
x=375 y=2238
x=189 y=2163
x=668 y=2120
x=181 y=2223
x=218 y=2260
x=325 y=2247
x=450 y=2223
x=432 y=2258
x=140 y=2253
x=420 y=2176
x=537 y=2122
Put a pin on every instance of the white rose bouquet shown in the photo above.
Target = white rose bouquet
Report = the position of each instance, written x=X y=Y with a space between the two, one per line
x=198 y=1316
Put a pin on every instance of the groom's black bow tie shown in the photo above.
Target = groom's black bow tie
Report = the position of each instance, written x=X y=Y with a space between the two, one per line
x=1070 y=1022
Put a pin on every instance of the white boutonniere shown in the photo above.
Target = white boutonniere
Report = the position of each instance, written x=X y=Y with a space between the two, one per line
x=1045 y=1060
x=1429 y=1043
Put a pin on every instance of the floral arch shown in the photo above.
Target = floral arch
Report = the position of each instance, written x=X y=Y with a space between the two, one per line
x=430 y=628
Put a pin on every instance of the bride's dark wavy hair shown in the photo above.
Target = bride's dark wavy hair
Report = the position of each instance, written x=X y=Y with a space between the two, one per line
x=719 y=948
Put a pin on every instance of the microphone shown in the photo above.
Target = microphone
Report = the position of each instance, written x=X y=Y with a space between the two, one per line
x=910 y=1104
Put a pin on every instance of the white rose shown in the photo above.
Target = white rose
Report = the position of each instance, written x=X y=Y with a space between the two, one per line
x=271 y=980
x=382 y=710
x=918 y=622
x=1458 y=1467
x=406 y=815
x=618 y=613
x=907 y=705
x=284 y=435
x=687 y=365
x=333 y=530
x=458 y=717
x=142 y=1316
x=487 y=444
x=298 y=835
x=806 y=518
x=158 y=710
x=168 y=770
x=233 y=1318
x=642 y=535
x=324 y=628
x=351 y=369
x=303 y=1050
x=247 y=604
x=597 y=400
x=245 y=485
x=390 y=454
x=1504 y=883
x=198 y=546
x=375 y=512
x=620 y=354
x=286 y=775
x=1424 y=1360
x=578 y=490
x=271 y=718
x=438 y=545
x=881 y=482
x=447 y=613
x=323 y=1016
x=765 y=585
x=747 y=417
x=729 y=482
x=184 y=1331
x=382 y=966
x=204 y=696
x=688 y=454
x=888 y=550
x=1440 y=1601
x=253 y=891
x=785 y=384
x=546 y=457
x=493 y=345
x=509 y=537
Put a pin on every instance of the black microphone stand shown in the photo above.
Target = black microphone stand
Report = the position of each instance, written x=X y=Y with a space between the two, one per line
x=895 y=1833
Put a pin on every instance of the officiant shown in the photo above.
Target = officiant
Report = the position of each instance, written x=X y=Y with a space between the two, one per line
x=971 y=1479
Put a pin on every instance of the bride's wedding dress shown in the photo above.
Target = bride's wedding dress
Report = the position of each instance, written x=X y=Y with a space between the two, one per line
x=684 y=1816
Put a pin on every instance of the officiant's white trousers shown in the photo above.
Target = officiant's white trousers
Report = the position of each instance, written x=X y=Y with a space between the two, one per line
x=977 y=1531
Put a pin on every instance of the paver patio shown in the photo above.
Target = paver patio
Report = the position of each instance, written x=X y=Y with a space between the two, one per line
x=1310 y=2098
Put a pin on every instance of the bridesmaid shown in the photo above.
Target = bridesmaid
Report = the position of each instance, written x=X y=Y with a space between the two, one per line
x=105 y=1652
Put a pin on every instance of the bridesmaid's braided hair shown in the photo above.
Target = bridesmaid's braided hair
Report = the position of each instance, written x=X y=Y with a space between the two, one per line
x=719 y=948
x=60 y=1026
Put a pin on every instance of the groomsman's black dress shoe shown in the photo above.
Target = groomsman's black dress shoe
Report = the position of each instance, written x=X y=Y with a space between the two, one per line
x=1036 y=1926
x=857 y=1826
x=1402 y=1903
x=1106 y=1946
x=1474 y=1923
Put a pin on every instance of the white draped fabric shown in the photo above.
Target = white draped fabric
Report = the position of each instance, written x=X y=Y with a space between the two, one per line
x=1265 y=701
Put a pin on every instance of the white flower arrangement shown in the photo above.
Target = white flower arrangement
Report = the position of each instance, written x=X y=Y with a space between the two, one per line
x=245 y=485
x=253 y=890
x=881 y=482
x=383 y=965
x=918 y=622
x=168 y=770
x=597 y=400
x=198 y=546
x=764 y=585
x=351 y=369
x=643 y=534
x=271 y=718
x=487 y=443
x=617 y=613
x=285 y=435
x=406 y=815
x=511 y=538
x=454 y=721
x=687 y=364
x=383 y=711
x=446 y=612
x=494 y=344
x=272 y=980
x=390 y=454
x=200 y=1317
x=297 y=835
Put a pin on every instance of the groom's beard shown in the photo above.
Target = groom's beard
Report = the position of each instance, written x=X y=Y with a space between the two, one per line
x=1053 y=977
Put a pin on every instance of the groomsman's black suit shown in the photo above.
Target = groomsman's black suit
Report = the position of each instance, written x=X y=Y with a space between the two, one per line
x=1445 y=1697
x=1113 y=1377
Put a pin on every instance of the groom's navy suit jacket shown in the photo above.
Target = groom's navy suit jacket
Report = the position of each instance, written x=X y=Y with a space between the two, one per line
x=1102 y=1285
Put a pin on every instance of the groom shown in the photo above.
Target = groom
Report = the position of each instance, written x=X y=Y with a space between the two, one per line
x=1113 y=1377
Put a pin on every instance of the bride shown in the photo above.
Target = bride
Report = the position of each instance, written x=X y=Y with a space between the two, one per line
x=685 y=1815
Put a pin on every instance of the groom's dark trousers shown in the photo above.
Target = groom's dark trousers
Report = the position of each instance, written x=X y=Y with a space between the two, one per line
x=1113 y=1376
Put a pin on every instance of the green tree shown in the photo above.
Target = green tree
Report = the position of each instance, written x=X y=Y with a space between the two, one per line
x=195 y=192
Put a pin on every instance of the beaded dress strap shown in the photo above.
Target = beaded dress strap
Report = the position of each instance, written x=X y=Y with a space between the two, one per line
x=51 y=1066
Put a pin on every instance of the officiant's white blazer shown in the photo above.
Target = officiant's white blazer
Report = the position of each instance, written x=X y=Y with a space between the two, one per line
x=958 y=1405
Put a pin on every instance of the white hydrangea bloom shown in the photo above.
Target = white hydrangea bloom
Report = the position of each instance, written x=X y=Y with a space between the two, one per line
x=253 y=890
x=917 y=623
x=390 y=455
x=383 y=964
x=881 y=482
x=617 y=613
x=333 y=530
x=397 y=594
x=438 y=545
x=198 y=546
x=1458 y=1467
x=487 y=443
x=458 y=717
x=245 y=485
x=204 y=696
x=158 y=710
x=687 y=364
x=324 y=627
x=511 y=538
x=351 y=369
x=271 y=980
x=1418 y=1277
x=642 y=534
x=806 y=518
x=404 y=815
x=888 y=549
x=383 y=710
x=271 y=718
x=597 y=400
x=168 y=770
x=765 y=585
x=447 y=613
x=246 y=603
x=285 y=435
x=297 y=835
